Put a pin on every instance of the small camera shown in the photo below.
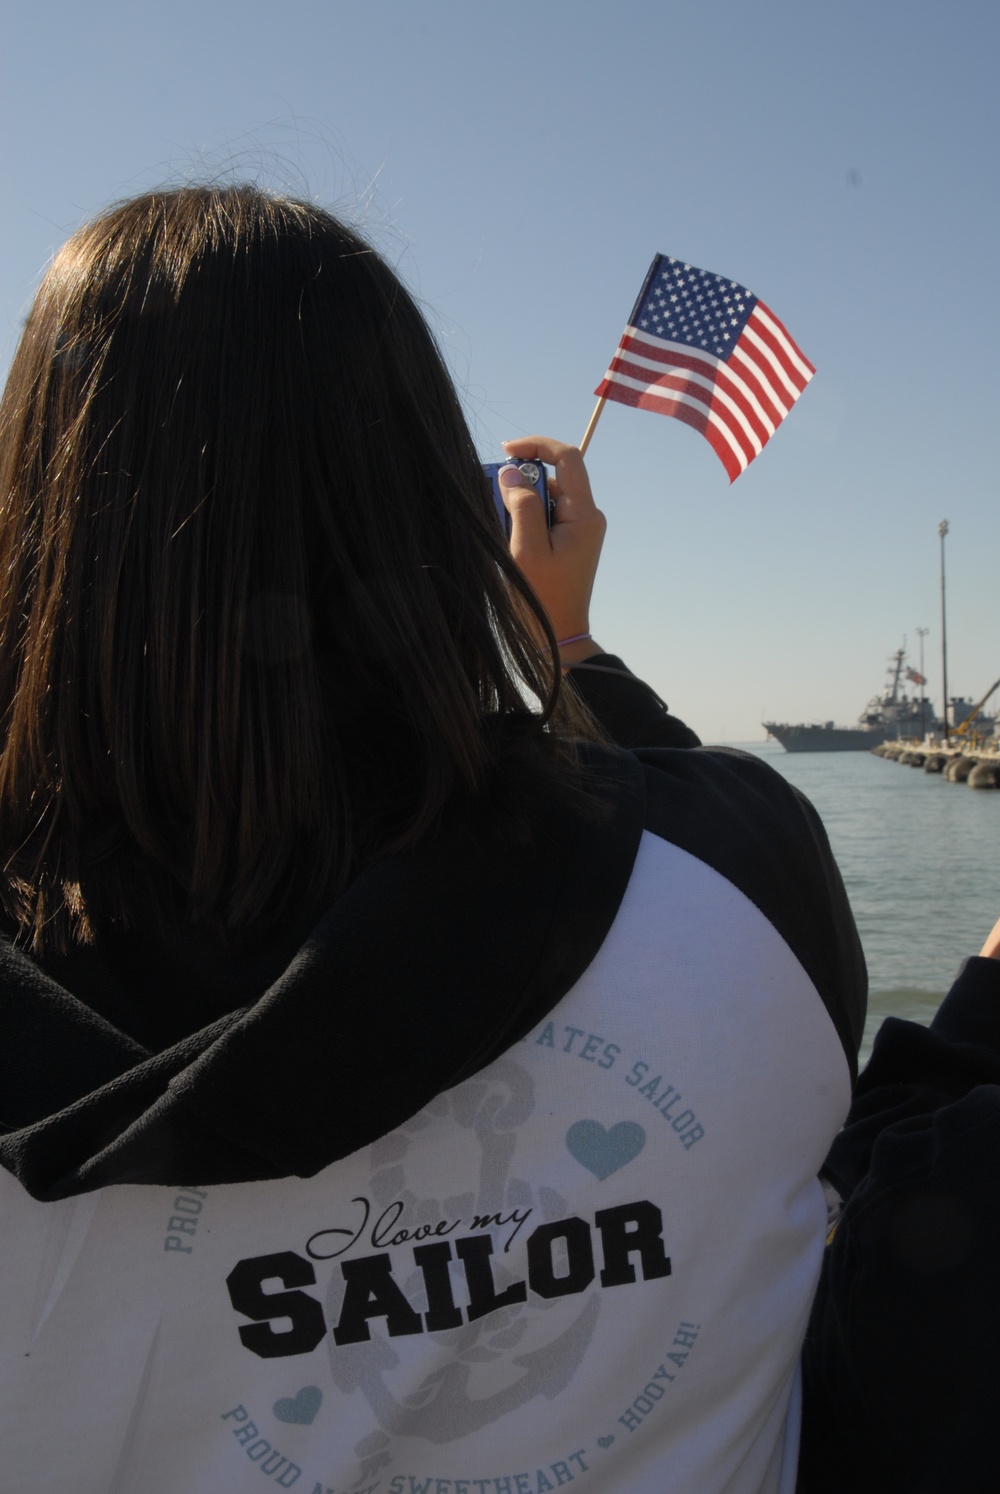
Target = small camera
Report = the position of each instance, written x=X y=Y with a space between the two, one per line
x=534 y=477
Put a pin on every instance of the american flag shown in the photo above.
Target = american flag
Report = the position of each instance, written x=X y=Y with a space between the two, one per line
x=704 y=349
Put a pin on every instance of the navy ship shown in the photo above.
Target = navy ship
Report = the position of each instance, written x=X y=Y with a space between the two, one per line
x=891 y=716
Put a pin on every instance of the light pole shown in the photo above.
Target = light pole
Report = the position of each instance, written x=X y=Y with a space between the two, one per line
x=942 y=531
x=922 y=634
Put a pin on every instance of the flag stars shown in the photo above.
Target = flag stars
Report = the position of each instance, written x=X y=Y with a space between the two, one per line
x=688 y=305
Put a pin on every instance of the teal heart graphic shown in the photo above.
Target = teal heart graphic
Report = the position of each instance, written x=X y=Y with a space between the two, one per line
x=604 y=1152
x=605 y=1441
x=301 y=1408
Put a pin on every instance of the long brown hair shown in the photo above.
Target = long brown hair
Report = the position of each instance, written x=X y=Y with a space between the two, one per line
x=256 y=615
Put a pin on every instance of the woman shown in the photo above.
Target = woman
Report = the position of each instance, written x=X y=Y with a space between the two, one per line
x=900 y=1384
x=402 y=1090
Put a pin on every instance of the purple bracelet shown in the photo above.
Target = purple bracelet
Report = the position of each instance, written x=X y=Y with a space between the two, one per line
x=562 y=642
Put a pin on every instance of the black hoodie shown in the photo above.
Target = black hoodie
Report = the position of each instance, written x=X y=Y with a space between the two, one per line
x=139 y=1062
x=498 y=1174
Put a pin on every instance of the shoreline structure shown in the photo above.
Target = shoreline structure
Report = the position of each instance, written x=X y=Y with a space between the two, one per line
x=978 y=766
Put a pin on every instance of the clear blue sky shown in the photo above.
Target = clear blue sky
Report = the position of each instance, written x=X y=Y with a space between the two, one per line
x=520 y=164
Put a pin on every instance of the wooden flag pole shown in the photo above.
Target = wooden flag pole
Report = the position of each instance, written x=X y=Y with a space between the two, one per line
x=592 y=426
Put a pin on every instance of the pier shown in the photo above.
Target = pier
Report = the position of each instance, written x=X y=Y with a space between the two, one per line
x=977 y=766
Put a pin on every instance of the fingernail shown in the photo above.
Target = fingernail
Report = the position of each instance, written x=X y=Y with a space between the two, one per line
x=511 y=477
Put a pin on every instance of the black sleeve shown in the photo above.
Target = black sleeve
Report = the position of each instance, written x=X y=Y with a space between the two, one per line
x=733 y=811
x=631 y=713
x=899 y=1362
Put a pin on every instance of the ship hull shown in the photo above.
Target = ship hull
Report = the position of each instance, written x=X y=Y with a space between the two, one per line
x=825 y=738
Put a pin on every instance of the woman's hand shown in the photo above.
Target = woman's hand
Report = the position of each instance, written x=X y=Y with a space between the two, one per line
x=559 y=563
x=991 y=949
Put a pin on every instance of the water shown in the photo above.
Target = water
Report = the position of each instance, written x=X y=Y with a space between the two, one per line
x=921 y=861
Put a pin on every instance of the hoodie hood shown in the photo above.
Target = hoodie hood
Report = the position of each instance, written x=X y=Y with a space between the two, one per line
x=427 y=968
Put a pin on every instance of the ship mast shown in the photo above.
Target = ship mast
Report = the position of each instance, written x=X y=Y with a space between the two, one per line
x=897 y=660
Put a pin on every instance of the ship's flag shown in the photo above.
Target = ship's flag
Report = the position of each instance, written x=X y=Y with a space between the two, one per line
x=705 y=350
x=918 y=679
